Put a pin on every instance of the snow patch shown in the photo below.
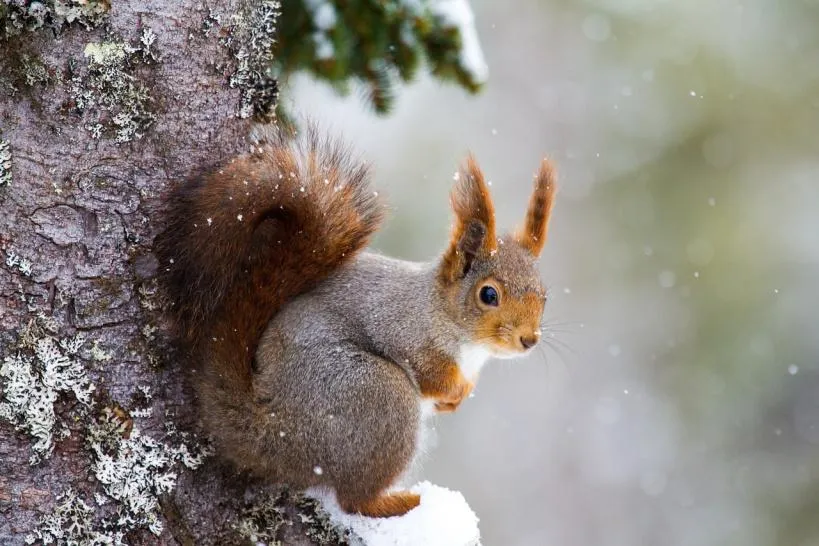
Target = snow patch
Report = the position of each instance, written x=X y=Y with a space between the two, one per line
x=324 y=47
x=458 y=13
x=324 y=17
x=443 y=519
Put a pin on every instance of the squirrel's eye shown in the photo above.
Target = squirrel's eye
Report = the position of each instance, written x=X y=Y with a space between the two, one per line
x=489 y=296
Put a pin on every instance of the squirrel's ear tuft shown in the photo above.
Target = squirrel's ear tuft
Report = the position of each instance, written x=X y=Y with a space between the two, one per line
x=532 y=235
x=473 y=231
x=471 y=202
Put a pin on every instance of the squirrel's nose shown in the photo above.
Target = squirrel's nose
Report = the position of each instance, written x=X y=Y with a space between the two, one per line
x=528 y=341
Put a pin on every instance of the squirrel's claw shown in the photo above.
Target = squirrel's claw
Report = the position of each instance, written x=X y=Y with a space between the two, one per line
x=450 y=402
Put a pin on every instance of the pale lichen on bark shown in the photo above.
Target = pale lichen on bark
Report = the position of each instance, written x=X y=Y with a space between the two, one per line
x=264 y=520
x=76 y=228
x=134 y=470
x=251 y=36
x=34 y=376
x=123 y=102
x=17 y=16
x=5 y=162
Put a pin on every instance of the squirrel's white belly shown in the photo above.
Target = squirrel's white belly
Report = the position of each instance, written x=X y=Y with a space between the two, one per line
x=471 y=359
x=427 y=408
x=424 y=442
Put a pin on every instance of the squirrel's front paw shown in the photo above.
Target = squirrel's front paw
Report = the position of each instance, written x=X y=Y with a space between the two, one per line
x=453 y=398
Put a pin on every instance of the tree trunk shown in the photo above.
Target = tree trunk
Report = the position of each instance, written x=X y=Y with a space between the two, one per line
x=101 y=112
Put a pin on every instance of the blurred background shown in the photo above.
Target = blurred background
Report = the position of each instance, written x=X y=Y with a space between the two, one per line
x=675 y=400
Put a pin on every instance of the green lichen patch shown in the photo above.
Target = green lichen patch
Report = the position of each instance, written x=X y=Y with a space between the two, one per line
x=123 y=103
x=5 y=163
x=265 y=521
x=33 y=70
x=32 y=380
x=17 y=16
x=250 y=38
x=136 y=469
x=71 y=522
x=318 y=524
x=150 y=298
x=22 y=71
x=18 y=263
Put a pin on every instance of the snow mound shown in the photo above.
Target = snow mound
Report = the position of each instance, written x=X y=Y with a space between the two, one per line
x=443 y=519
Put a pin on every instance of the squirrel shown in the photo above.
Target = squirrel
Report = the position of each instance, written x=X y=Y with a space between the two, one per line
x=316 y=362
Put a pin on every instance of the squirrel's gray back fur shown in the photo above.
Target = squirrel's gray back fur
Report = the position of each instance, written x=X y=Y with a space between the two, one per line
x=351 y=339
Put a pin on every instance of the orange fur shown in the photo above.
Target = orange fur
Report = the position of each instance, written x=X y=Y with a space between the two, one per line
x=532 y=235
x=384 y=506
x=513 y=319
x=474 y=218
x=441 y=379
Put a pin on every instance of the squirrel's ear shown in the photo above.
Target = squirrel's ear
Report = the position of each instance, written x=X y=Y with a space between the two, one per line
x=459 y=256
x=471 y=202
x=473 y=231
x=532 y=235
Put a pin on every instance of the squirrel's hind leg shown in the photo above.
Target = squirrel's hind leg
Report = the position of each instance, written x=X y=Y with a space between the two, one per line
x=385 y=505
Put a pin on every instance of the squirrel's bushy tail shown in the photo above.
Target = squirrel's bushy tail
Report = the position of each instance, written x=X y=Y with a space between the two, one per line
x=243 y=240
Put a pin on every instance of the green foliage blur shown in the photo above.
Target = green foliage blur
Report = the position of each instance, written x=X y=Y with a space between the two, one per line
x=377 y=43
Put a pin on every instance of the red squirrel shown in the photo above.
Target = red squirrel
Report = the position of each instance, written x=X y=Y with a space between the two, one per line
x=316 y=361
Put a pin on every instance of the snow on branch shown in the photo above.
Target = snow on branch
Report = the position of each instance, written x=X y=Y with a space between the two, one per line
x=443 y=519
x=458 y=13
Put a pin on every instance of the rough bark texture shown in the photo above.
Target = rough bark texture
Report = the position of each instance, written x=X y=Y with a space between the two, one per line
x=83 y=209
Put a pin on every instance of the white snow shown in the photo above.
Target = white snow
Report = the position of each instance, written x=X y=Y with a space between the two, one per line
x=325 y=17
x=443 y=519
x=407 y=36
x=458 y=13
x=324 y=47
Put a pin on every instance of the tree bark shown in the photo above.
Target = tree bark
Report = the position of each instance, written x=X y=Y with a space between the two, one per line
x=100 y=123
